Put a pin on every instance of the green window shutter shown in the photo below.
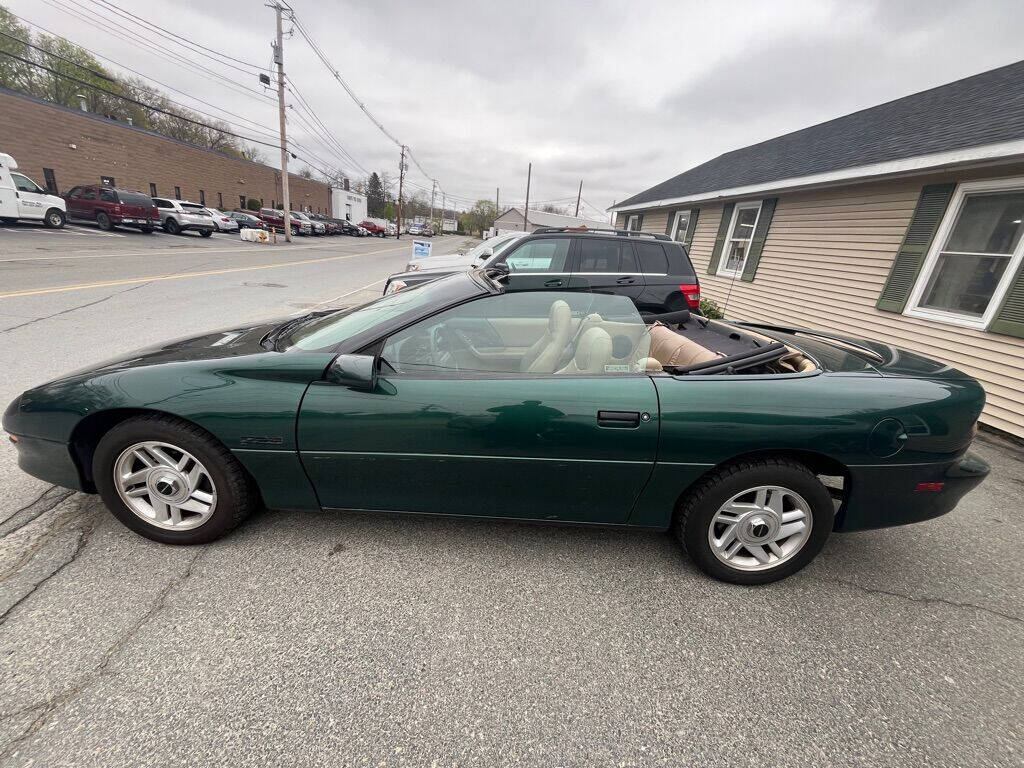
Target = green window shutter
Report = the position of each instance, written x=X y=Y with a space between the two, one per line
x=723 y=231
x=670 y=222
x=931 y=207
x=640 y=223
x=1010 y=317
x=694 y=213
x=764 y=221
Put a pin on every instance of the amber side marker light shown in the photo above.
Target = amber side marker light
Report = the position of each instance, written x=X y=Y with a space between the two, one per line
x=929 y=487
x=12 y=438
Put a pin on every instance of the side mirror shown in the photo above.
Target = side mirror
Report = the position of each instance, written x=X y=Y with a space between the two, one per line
x=357 y=372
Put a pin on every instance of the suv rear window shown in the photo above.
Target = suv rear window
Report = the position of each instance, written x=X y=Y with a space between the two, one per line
x=652 y=258
x=135 y=198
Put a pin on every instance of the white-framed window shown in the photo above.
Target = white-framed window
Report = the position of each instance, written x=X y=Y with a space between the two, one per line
x=974 y=255
x=737 y=241
x=681 y=226
x=633 y=222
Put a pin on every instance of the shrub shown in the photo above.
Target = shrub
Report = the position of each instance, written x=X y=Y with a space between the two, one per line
x=709 y=308
x=252 y=204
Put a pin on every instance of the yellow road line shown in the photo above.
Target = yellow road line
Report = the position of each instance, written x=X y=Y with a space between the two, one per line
x=185 y=275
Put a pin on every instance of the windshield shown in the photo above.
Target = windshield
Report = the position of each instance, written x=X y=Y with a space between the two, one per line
x=300 y=216
x=327 y=332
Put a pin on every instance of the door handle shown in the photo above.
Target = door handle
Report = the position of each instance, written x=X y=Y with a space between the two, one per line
x=553 y=284
x=618 y=419
x=626 y=280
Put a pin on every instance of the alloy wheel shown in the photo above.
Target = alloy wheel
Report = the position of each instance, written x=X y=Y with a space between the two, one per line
x=165 y=485
x=760 y=528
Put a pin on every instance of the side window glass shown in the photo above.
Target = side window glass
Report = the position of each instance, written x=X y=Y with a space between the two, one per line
x=528 y=333
x=74 y=191
x=545 y=255
x=598 y=256
x=88 y=194
x=23 y=183
x=652 y=258
x=107 y=196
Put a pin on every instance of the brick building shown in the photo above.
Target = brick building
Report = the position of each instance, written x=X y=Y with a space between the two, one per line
x=60 y=147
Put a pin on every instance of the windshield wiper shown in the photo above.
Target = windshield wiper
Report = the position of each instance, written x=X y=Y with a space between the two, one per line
x=270 y=340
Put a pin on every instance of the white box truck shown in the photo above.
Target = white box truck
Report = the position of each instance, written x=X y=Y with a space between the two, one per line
x=23 y=199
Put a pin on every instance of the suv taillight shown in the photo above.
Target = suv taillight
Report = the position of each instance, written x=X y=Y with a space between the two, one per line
x=691 y=291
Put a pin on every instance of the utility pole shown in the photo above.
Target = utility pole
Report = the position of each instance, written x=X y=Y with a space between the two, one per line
x=433 y=193
x=578 y=196
x=443 y=196
x=526 y=209
x=401 y=183
x=279 y=60
x=497 y=201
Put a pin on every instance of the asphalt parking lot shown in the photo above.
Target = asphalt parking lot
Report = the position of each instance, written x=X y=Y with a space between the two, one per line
x=331 y=639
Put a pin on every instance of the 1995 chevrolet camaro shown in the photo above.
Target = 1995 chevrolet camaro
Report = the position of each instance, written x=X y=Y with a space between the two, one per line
x=487 y=394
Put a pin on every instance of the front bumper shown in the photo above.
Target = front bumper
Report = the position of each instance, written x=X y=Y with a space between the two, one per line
x=899 y=494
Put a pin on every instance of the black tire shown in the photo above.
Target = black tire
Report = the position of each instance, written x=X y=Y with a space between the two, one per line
x=206 y=232
x=172 y=227
x=237 y=496
x=699 y=506
x=103 y=222
x=55 y=219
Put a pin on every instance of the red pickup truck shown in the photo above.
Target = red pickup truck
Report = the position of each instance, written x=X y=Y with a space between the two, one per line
x=374 y=229
x=110 y=207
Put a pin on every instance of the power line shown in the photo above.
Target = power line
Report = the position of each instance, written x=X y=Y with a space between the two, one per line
x=182 y=41
x=262 y=129
x=326 y=131
x=155 y=49
x=137 y=102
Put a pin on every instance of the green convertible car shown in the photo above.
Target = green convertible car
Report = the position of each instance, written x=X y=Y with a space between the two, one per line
x=488 y=394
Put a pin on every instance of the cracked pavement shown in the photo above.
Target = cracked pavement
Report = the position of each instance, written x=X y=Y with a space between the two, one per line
x=330 y=639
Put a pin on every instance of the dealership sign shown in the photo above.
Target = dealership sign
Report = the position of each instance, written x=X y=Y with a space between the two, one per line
x=421 y=249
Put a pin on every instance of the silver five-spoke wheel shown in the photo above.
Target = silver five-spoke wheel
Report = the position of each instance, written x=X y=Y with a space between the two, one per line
x=165 y=485
x=760 y=528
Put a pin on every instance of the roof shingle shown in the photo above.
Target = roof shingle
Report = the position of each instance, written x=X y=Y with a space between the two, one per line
x=982 y=109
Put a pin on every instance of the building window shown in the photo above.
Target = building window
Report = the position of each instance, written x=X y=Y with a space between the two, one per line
x=220 y=200
x=177 y=193
x=737 y=243
x=975 y=253
x=202 y=197
x=107 y=181
x=51 y=180
x=152 y=189
x=633 y=222
x=681 y=226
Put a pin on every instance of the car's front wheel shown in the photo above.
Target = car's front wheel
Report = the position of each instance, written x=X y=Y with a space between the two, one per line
x=206 y=232
x=103 y=222
x=755 y=521
x=170 y=481
x=55 y=218
x=171 y=226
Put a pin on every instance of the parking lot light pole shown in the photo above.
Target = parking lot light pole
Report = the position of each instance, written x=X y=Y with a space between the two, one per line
x=401 y=182
x=279 y=60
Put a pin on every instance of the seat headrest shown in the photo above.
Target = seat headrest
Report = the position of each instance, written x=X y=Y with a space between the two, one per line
x=594 y=350
x=559 y=316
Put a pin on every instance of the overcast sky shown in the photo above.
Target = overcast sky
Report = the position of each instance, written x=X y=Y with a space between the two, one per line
x=621 y=95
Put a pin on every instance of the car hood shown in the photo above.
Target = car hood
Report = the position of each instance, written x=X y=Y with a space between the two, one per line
x=841 y=353
x=432 y=263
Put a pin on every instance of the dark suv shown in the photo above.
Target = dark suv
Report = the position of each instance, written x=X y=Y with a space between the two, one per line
x=110 y=207
x=651 y=269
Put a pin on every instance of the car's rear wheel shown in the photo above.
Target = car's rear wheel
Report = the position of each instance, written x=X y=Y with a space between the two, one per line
x=755 y=521
x=55 y=219
x=171 y=226
x=171 y=481
x=103 y=222
x=206 y=232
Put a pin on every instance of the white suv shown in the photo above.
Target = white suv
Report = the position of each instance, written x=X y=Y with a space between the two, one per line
x=178 y=216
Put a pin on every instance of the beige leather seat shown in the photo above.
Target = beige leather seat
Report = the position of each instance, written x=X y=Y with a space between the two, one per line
x=543 y=356
x=593 y=352
x=669 y=348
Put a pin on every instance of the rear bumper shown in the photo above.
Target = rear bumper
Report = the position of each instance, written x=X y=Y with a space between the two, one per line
x=884 y=496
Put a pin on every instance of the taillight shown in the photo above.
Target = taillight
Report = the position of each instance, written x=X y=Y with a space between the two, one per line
x=691 y=291
x=929 y=487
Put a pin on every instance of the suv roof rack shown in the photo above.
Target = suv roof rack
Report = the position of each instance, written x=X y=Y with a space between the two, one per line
x=600 y=231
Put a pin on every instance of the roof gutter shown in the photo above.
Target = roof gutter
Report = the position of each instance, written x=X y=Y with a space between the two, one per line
x=918 y=163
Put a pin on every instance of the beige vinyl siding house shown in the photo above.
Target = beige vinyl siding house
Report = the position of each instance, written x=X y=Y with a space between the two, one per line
x=858 y=256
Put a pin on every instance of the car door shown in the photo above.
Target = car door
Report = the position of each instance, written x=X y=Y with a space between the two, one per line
x=606 y=264
x=540 y=263
x=439 y=434
x=72 y=201
x=33 y=202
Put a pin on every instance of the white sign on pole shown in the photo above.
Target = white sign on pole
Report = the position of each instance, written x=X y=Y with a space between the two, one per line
x=421 y=249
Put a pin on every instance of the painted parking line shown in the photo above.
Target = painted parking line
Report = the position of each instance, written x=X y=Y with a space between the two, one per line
x=86 y=231
x=185 y=275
